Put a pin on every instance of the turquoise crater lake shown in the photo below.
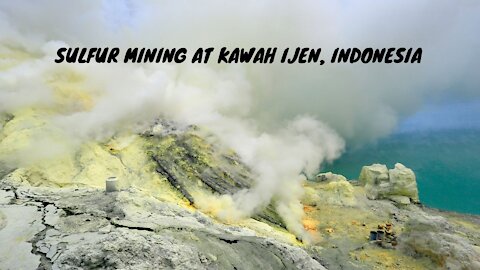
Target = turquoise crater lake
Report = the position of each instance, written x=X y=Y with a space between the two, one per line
x=446 y=163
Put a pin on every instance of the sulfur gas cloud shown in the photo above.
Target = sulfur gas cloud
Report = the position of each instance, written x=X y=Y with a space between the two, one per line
x=283 y=120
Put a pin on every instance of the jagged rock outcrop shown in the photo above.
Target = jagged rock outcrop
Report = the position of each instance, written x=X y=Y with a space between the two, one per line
x=190 y=163
x=397 y=184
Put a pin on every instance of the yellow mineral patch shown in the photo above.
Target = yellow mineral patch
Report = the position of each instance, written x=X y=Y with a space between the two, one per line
x=339 y=192
x=335 y=221
x=125 y=156
x=49 y=158
x=265 y=230
x=222 y=207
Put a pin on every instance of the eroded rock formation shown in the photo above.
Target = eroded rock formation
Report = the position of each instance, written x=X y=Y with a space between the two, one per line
x=397 y=184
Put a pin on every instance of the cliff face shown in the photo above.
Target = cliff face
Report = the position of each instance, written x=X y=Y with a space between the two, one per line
x=54 y=212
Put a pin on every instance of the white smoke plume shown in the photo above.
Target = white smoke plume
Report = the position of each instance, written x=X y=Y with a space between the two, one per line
x=283 y=120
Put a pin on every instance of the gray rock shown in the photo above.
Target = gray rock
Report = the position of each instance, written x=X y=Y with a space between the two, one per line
x=403 y=182
x=6 y=196
x=403 y=200
x=374 y=174
x=21 y=224
x=328 y=177
x=381 y=183
x=87 y=228
x=435 y=238
x=189 y=162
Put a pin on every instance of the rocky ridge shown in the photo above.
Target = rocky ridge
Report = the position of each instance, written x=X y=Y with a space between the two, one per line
x=55 y=214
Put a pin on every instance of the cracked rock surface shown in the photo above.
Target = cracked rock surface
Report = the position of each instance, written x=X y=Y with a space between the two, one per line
x=85 y=228
x=19 y=225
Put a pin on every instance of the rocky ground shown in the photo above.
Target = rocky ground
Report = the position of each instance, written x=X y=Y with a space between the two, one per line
x=55 y=214
x=425 y=238
x=86 y=228
x=90 y=229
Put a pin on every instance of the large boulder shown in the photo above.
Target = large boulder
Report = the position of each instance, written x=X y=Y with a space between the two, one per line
x=397 y=184
x=374 y=174
x=403 y=182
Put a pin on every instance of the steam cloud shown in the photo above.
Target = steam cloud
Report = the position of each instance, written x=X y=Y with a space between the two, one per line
x=283 y=120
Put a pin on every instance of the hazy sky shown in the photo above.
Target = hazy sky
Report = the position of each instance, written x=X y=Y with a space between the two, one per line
x=444 y=115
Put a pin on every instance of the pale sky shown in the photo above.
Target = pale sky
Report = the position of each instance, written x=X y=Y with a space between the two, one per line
x=448 y=115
